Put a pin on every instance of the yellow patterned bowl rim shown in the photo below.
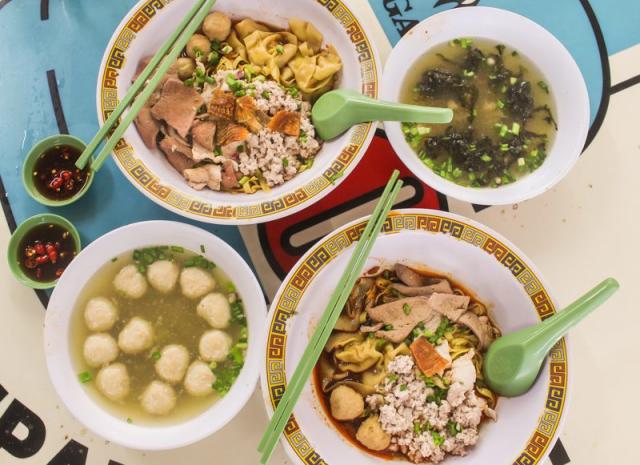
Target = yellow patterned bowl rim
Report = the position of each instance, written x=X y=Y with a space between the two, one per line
x=291 y=291
x=197 y=208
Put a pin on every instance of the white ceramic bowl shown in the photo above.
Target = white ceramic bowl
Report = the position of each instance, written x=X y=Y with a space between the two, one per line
x=491 y=267
x=532 y=40
x=57 y=328
x=142 y=32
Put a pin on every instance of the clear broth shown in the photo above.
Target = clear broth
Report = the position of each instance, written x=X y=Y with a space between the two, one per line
x=174 y=321
x=488 y=113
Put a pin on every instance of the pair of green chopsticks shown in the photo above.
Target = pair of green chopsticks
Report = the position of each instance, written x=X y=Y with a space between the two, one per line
x=178 y=40
x=329 y=318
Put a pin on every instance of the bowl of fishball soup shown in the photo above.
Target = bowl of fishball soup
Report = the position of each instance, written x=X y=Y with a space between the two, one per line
x=150 y=335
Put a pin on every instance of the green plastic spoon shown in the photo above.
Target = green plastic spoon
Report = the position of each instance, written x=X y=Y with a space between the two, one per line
x=338 y=110
x=513 y=361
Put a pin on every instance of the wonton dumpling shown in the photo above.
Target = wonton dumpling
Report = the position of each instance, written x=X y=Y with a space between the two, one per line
x=100 y=314
x=163 y=275
x=247 y=26
x=113 y=381
x=271 y=50
x=136 y=336
x=316 y=74
x=307 y=33
x=158 y=398
x=214 y=345
x=130 y=282
x=100 y=349
x=172 y=363
x=358 y=357
x=237 y=45
x=199 y=379
x=196 y=282
x=215 y=309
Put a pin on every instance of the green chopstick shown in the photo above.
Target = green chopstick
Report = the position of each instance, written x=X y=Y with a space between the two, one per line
x=315 y=346
x=330 y=316
x=185 y=30
x=81 y=162
x=329 y=309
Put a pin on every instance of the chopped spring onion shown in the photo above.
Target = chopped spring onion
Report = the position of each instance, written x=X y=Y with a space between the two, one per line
x=85 y=377
x=243 y=180
x=155 y=355
x=500 y=103
x=543 y=85
x=227 y=49
x=515 y=129
x=279 y=49
x=406 y=308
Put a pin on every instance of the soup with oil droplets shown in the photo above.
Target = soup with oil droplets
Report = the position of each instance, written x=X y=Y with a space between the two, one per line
x=503 y=124
x=158 y=335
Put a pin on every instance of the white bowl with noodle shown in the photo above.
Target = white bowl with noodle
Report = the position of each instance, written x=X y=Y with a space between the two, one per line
x=487 y=265
x=553 y=61
x=141 y=33
x=59 y=324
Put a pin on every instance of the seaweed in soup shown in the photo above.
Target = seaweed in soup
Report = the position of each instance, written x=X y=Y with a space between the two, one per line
x=503 y=121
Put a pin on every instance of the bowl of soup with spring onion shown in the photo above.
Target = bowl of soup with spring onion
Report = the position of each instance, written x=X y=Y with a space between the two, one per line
x=150 y=338
x=521 y=109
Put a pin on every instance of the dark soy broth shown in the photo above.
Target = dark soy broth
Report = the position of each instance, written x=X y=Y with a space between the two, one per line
x=55 y=174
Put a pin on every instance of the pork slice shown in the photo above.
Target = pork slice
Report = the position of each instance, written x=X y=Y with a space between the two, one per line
x=142 y=64
x=442 y=287
x=409 y=276
x=208 y=175
x=450 y=305
x=177 y=153
x=229 y=179
x=399 y=319
x=481 y=328
x=203 y=133
x=178 y=105
x=148 y=127
x=171 y=72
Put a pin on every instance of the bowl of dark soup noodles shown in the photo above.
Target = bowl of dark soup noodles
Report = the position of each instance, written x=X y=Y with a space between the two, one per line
x=521 y=109
x=400 y=377
x=150 y=335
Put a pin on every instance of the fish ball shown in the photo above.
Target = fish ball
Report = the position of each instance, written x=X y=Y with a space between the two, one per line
x=136 y=336
x=158 y=398
x=163 y=275
x=346 y=403
x=198 y=42
x=199 y=379
x=196 y=282
x=214 y=345
x=371 y=435
x=172 y=363
x=100 y=349
x=100 y=314
x=215 y=309
x=217 y=26
x=130 y=282
x=113 y=381
x=186 y=67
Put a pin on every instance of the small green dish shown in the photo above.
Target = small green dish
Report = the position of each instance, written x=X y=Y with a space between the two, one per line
x=18 y=235
x=35 y=153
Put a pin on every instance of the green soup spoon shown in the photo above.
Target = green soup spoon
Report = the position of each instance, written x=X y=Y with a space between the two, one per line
x=336 y=111
x=513 y=361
